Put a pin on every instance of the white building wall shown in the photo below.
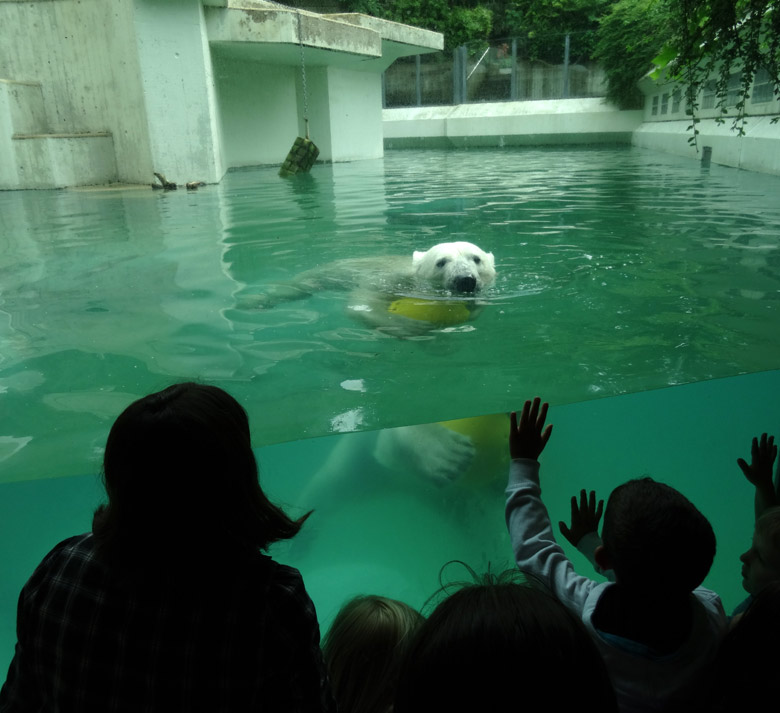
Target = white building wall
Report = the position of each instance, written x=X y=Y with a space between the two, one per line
x=667 y=128
x=9 y=176
x=258 y=110
x=355 y=115
x=758 y=150
x=136 y=84
x=179 y=91
x=83 y=54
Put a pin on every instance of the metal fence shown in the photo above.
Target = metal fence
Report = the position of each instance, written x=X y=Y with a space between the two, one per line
x=506 y=70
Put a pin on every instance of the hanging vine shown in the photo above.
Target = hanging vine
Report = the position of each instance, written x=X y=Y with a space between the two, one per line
x=717 y=42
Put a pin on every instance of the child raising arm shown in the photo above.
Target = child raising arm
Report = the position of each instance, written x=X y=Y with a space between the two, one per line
x=536 y=551
x=655 y=627
x=763 y=453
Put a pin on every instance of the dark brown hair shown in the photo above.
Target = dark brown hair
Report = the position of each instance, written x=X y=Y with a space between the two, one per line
x=181 y=475
x=499 y=643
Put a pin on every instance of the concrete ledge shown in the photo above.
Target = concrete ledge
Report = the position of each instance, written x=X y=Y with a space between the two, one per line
x=564 y=121
x=19 y=82
x=559 y=139
x=423 y=40
x=67 y=135
x=280 y=26
x=758 y=150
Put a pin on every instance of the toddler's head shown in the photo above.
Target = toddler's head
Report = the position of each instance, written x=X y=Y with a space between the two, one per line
x=363 y=650
x=761 y=563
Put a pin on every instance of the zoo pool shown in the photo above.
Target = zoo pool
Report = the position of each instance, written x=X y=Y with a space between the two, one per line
x=620 y=273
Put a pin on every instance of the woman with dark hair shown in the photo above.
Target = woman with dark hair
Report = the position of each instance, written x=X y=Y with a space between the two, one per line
x=499 y=642
x=169 y=604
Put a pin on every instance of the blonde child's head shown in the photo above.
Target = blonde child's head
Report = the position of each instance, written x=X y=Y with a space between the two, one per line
x=363 y=650
x=761 y=563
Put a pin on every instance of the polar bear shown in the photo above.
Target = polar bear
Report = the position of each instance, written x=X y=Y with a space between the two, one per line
x=396 y=293
x=460 y=268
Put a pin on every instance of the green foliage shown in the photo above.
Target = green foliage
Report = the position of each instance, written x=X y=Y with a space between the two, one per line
x=468 y=24
x=629 y=37
x=720 y=38
x=459 y=22
x=691 y=40
x=538 y=21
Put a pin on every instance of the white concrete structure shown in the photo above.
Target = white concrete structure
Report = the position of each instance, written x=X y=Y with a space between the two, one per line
x=662 y=126
x=536 y=123
x=666 y=125
x=95 y=91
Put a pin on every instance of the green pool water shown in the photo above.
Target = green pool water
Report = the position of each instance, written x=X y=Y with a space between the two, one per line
x=620 y=273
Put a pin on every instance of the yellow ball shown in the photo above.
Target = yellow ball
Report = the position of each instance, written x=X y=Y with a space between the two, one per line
x=490 y=437
x=434 y=311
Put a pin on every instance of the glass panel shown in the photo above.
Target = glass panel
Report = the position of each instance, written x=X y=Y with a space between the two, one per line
x=708 y=97
x=390 y=510
x=762 y=88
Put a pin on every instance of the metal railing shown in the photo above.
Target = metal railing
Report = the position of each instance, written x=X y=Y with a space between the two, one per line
x=505 y=70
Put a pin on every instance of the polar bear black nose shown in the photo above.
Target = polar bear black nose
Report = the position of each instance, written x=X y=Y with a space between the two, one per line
x=465 y=283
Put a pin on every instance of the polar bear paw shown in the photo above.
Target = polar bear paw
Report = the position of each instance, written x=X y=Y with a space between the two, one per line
x=428 y=451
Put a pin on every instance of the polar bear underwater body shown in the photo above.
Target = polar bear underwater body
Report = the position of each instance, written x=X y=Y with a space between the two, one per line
x=399 y=294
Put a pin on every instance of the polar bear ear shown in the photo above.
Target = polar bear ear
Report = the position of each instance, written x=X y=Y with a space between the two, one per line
x=489 y=259
x=418 y=257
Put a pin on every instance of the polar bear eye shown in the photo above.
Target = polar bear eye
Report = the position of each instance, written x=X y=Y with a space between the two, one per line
x=477 y=259
x=442 y=262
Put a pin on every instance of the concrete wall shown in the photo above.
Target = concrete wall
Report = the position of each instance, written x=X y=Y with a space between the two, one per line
x=262 y=108
x=563 y=121
x=179 y=90
x=258 y=110
x=81 y=52
x=585 y=121
x=139 y=70
x=355 y=108
x=666 y=127
x=758 y=150
x=13 y=96
x=186 y=88
x=62 y=160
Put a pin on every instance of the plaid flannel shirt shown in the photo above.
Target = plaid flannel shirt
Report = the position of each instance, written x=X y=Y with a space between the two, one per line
x=242 y=637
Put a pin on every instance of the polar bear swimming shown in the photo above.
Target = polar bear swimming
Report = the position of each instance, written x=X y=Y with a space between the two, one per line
x=385 y=291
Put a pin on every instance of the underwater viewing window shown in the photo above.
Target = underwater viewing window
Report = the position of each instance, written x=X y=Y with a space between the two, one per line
x=620 y=273
x=636 y=291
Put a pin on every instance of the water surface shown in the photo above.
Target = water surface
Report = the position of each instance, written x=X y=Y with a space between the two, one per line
x=619 y=270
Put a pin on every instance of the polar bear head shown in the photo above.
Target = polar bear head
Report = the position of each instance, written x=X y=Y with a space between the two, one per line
x=457 y=267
